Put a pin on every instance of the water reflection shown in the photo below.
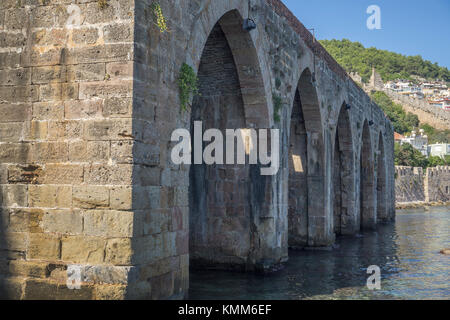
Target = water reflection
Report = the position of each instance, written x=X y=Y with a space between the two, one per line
x=407 y=253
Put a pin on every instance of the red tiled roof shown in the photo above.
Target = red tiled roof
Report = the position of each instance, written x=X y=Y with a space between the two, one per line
x=398 y=136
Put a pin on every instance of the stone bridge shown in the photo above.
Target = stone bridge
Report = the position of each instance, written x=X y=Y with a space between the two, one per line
x=89 y=98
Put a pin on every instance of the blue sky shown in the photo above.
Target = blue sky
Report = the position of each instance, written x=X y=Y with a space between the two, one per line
x=409 y=27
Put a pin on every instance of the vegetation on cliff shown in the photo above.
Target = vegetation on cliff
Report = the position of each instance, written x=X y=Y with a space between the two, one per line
x=403 y=122
x=354 y=57
x=406 y=155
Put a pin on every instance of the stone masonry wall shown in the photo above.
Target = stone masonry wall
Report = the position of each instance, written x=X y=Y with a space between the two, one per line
x=409 y=184
x=437 y=184
x=66 y=86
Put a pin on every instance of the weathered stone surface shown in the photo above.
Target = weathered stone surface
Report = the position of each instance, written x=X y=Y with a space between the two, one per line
x=111 y=224
x=50 y=196
x=62 y=222
x=90 y=197
x=44 y=246
x=80 y=249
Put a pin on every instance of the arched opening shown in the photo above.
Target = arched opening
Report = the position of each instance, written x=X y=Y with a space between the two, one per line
x=382 y=215
x=224 y=199
x=306 y=202
x=343 y=177
x=367 y=183
x=298 y=178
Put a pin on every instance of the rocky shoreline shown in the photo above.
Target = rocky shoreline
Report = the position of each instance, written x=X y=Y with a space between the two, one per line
x=420 y=204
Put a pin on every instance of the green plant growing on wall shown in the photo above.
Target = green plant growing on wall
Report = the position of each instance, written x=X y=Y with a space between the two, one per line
x=161 y=21
x=188 y=85
x=277 y=106
x=102 y=4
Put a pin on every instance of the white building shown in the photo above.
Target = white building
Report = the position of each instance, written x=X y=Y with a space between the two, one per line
x=419 y=142
x=439 y=150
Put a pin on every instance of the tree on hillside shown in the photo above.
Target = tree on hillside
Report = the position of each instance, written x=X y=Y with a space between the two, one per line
x=354 y=57
x=403 y=122
x=406 y=155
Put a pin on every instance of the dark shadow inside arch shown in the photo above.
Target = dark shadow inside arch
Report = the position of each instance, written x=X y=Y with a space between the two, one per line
x=306 y=167
x=343 y=177
x=382 y=214
x=225 y=201
x=367 y=183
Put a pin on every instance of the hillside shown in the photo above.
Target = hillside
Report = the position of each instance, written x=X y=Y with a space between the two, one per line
x=354 y=57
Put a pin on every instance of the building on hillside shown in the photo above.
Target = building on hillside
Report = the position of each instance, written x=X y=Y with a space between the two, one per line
x=398 y=137
x=419 y=142
x=441 y=103
x=439 y=150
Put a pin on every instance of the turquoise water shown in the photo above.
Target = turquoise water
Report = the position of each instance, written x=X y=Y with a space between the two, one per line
x=407 y=253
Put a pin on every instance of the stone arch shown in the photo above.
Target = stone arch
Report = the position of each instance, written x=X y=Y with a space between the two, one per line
x=307 y=194
x=367 y=180
x=382 y=212
x=345 y=221
x=226 y=201
x=251 y=65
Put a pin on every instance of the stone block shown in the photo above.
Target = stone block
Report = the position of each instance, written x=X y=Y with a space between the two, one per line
x=23 y=173
x=99 y=174
x=11 y=131
x=49 y=37
x=85 y=35
x=15 y=112
x=116 y=129
x=90 y=197
x=36 y=130
x=44 y=246
x=65 y=222
x=15 y=153
x=82 y=249
x=110 y=292
x=58 y=92
x=106 y=89
x=121 y=197
x=28 y=268
x=25 y=220
x=119 y=251
x=110 y=224
x=12 y=40
x=121 y=32
x=13 y=195
x=50 y=196
x=61 y=174
x=83 y=109
x=50 y=152
x=68 y=129
x=117 y=107
x=44 y=75
x=48 y=111
x=51 y=290
x=86 y=72
x=15 y=77
x=95 y=151
x=120 y=70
